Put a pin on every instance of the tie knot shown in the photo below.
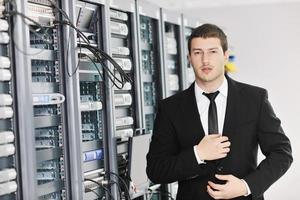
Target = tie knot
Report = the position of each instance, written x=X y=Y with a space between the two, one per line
x=211 y=96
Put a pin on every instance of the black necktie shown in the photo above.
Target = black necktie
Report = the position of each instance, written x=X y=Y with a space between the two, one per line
x=212 y=113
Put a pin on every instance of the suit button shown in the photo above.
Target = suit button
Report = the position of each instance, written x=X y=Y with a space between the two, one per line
x=220 y=168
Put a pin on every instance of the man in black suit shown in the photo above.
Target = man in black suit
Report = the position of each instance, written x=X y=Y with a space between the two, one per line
x=210 y=145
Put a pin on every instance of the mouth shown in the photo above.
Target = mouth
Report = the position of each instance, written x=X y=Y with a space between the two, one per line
x=206 y=70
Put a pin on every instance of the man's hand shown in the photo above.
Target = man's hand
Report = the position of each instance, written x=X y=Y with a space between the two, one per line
x=213 y=147
x=234 y=187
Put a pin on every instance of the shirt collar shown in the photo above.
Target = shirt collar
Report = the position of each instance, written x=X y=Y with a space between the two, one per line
x=223 y=89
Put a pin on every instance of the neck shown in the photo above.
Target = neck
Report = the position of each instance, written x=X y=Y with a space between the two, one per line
x=210 y=86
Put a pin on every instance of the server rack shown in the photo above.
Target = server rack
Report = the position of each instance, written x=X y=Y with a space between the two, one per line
x=150 y=60
x=173 y=62
x=90 y=90
x=150 y=67
x=188 y=25
x=41 y=116
x=9 y=173
x=127 y=107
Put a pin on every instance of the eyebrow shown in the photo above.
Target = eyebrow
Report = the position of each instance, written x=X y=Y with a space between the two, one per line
x=199 y=49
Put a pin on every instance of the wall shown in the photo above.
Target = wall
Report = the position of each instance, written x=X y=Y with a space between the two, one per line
x=266 y=42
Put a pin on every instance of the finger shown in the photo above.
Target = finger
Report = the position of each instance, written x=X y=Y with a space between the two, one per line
x=223 y=177
x=225 y=144
x=216 y=186
x=214 y=135
x=225 y=150
x=223 y=139
x=221 y=155
x=212 y=193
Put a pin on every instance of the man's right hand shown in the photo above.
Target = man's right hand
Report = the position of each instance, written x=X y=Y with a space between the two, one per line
x=213 y=147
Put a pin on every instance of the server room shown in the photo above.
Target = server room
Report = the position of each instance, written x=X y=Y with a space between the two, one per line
x=149 y=99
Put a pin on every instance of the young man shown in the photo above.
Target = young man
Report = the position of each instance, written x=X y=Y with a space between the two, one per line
x=207 y=136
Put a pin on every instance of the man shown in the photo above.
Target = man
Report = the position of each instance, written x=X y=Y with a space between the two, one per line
x=207 y=136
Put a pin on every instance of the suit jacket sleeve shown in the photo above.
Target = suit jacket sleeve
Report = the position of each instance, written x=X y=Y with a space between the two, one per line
x=274 y=145
x=166 y=162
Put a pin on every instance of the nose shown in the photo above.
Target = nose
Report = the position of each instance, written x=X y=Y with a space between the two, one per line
x=205 y=59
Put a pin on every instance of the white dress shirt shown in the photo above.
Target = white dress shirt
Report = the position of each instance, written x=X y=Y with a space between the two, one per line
x=203 y=106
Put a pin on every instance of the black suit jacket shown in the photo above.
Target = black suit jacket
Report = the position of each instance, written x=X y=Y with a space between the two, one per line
x=249 y=122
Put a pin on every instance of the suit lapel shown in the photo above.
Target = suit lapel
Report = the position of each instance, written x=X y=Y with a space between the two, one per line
x=191 y=115
x=231 y=108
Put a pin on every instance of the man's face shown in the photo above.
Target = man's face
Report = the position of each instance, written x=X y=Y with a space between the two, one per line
x=208 y=59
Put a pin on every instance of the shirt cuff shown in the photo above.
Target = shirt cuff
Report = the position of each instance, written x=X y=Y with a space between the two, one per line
x=199 y=161
x=248 y=189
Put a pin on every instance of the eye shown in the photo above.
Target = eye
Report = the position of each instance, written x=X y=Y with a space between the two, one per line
x=197 y=52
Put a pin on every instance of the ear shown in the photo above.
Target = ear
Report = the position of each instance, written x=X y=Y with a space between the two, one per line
x=226 y=55
x=189 y=57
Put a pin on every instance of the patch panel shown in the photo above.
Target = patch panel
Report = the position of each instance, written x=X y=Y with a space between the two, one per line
x=48 y=110
x=4 y=38
x=5 y=100
x=46 y=143
x=125 y=63
x=88 y=136
x=42 y=2
x=127 y=86
x=4 y=62
x=52 y=196
x=149 y=118
x=6 y=112
x=94 y=173
x=8 y=187
x=7 y=150
x=146 y=29
x=5 y=75
x=171 y=44
x=173 y=81
x=42 y=39
x=148 y=62
x=47 y=132
x=44 y=78
x=48 y=165
x=124 y=121
x=87 y=127
x=92 y=185
x=3 y=25
x=41 y=14
x=119 y=28
x=114 y=14
x=123 y=99
x=124 y=51
x=90 y=106
x=171 y=64
x=149 y=94
x=6 y=137
x=45 y=176
x=7 y=175
x=124 y=133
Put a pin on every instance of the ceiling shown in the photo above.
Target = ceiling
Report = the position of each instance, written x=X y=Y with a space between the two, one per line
x=195 y=4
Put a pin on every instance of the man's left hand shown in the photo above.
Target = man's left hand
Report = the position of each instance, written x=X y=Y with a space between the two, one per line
x=234 y=187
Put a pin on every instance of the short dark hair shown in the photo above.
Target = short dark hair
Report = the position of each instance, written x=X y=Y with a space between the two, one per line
x=209 y=31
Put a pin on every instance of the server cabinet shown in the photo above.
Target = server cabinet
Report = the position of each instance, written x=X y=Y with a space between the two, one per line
x=92 y=98
x=127 y=108
x=39 y=84
x=151 y=70
x=87 y=89
x=150 y=61
x=172 y=56
x=45 y=64
x=188 y=25
x=8 y=141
